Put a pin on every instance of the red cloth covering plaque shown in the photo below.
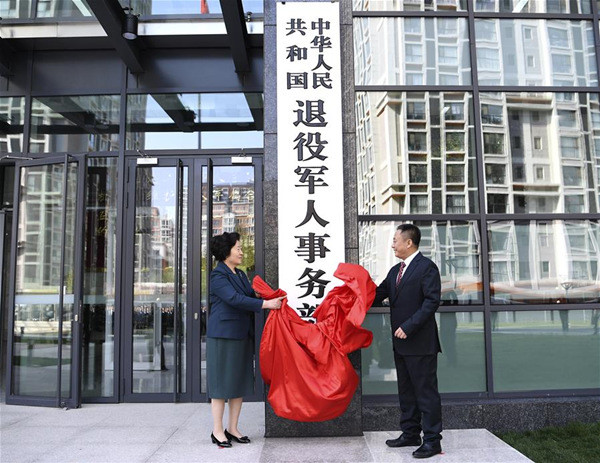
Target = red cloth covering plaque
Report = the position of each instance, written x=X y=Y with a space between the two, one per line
x=306 y=364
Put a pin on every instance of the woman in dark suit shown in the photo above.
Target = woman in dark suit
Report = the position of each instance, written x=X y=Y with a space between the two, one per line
x=230 y=337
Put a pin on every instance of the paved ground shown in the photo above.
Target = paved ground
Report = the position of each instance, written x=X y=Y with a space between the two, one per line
x=180 y=433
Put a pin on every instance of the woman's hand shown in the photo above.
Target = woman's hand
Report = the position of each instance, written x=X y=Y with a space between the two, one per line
x=273 y=303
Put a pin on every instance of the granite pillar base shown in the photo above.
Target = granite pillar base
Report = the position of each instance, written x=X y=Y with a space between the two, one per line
x=349 y=424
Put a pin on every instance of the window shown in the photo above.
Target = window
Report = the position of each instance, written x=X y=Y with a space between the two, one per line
x=417 y=141
x=454 y=111
x=561 y=64
x=448 y=55
x=569 y=147
x=414 y=53
x=418 y=173
x=455 y=173
x=497 y=203
x=412 y=25
x=558 y=37
x=485 y=29
x=567 y=118
x=537 y=143
x=488 y=59
x=530 y=61
x=540 y=173
x=455 y=141
x=518 y=173
x=493 y=143
x=491 y=114
x=516 y=142
x=495 y=174
x=574 y=204
x=447 y=26
x=415 y=110
x=419 y=204
x=527 y=33
x=572 y=176
x=455 y=204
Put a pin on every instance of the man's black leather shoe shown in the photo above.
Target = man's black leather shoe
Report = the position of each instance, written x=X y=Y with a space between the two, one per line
x=428 y=449
x=404 y=441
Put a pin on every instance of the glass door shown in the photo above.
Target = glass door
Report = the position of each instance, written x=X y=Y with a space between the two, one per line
x=173 y=207
x=155 y=355
x=229 y=193
x=45 y=298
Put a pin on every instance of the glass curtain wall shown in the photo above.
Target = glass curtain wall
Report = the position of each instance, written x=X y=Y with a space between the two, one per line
x=500 y=168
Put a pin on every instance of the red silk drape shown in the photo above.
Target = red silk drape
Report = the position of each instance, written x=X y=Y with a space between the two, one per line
x=306 y=364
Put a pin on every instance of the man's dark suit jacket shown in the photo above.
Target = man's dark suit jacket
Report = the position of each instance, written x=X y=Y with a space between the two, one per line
x=413 y=305
x=232 y=304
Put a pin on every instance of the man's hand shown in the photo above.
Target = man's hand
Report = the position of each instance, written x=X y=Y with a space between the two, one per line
x=400 y=334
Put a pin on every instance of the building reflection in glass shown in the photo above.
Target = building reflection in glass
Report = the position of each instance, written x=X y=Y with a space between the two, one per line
x=416 y=153
x=155 y=275
x=461 y=366
x=541 y=152
x=535 y=52
x=187 y=7
x=544 y=262
x=98 y=354
x=75 y=124
x=12 y=119
x=409 y=5
x=534 y=6
x=37 y=311
x=411 y=51
x=547 y=349
x=453 y=246
x=194 y=121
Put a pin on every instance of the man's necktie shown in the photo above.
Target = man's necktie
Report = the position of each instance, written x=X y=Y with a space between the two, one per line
x=400 y=272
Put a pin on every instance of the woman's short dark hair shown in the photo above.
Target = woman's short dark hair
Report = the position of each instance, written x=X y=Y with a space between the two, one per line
x=220 y=245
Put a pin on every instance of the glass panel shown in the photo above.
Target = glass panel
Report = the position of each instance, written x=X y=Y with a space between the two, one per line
x=75 y=124
x=453 y=246
x=69 y=283
x=534 y=6
x=461 y=366
x=183 y=263
x=187 y=7
x=416 y=153
x=409 y=5
x=545 y=350
x=37 y=283
x=63 y=9
x=98 y=351
x=206 y=260
x=155 y=265
x=540 y=150
x=411 y=51
x=15 y=10
x=544 y=262
x=535 y=52
x=12 y=118
x=233 y=208
x=5 y=242
x=193 y=121
x=7 y=185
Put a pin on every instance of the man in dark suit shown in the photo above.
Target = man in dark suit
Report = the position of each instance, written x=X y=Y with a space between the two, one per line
x=413 y=288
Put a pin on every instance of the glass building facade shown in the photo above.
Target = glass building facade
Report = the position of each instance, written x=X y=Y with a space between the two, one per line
x=478 y=122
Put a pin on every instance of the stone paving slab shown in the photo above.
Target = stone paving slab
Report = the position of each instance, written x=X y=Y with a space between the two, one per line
x=173 y=433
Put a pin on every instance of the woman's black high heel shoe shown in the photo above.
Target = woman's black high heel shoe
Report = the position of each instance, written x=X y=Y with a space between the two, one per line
x=224 y=443
x=239 y=440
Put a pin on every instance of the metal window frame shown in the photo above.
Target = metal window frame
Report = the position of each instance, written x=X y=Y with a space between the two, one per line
x=482 y=218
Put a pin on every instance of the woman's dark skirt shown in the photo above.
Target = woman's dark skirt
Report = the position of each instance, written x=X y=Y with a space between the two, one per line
x=229 y=367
